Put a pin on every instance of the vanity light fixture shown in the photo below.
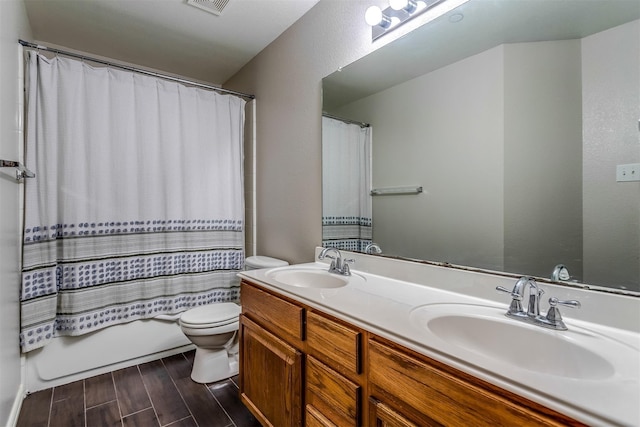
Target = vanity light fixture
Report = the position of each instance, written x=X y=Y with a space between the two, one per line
x=400 y=11
x=375 y=17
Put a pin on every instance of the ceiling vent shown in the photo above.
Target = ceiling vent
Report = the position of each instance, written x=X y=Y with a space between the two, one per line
x=211 y=6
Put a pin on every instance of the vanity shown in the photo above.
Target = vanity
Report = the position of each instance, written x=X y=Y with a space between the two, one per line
x=400 y=343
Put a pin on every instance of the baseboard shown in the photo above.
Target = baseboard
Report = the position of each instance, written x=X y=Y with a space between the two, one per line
x=12 y=421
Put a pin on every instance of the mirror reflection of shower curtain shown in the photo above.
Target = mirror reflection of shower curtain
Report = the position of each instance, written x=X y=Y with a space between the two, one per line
x=346 y=185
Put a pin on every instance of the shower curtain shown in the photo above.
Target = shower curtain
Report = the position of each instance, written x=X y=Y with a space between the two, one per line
x=346 y=185
x=137 y=206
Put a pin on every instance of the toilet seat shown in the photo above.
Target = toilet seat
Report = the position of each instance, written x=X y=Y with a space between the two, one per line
x=211 y=316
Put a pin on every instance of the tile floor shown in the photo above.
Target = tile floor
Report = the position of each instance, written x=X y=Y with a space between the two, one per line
x=159 y=393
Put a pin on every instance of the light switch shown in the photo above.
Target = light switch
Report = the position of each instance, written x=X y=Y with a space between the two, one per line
x=628 y=172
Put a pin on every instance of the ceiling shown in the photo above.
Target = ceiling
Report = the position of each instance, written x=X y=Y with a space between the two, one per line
x=480 y=25
x=166 y=35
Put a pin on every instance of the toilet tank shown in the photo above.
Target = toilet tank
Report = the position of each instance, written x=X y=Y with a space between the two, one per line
x=258 y=261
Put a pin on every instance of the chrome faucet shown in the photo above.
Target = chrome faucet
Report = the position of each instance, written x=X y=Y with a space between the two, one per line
x=372 y=248
x=552 y=320
x=338 y=265
x=560 y=272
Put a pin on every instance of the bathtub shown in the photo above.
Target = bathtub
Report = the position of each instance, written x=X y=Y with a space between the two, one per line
x=68 y=359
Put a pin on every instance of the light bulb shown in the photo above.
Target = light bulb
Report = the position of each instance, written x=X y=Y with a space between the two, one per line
x=408 y=6
x=374 y=16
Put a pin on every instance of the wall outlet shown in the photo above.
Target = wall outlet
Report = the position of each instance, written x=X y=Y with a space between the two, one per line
x=628 y=172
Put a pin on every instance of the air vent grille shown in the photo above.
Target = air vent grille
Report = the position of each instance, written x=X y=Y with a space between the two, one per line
x=211 y=6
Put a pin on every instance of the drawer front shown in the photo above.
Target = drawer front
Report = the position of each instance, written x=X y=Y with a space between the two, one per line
x=440 y=396
x=334 y=342
x=313 y=418
x=384 y=416
x=332 y=395
x=272 y=312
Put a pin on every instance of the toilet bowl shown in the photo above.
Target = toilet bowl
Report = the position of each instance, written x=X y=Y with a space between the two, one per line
x=213 y=329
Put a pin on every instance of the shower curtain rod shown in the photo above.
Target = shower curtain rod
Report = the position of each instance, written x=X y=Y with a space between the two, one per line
x=134 y=69
x=351 y=122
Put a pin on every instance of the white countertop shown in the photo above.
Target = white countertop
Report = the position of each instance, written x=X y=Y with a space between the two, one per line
x=390 y=308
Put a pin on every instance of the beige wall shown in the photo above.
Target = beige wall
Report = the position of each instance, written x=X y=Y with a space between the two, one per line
x=611 y=73
x=501 y=191
x=286 y=78
x=543 y=157
x=13 y=25
x=442 y=131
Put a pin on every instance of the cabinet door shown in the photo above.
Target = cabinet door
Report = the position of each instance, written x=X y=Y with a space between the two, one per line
x=270 y=376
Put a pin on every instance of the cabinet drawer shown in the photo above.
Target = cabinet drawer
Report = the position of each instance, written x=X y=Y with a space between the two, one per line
x=334 y=342
x=335 y=397
x=440 y=396
x=383 y=416
x=272 y=312
x=313 y=418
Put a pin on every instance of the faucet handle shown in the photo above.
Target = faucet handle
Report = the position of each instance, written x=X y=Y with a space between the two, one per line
x=515 y=308
x=514 y=295
x=553 y=319
x=553 y=301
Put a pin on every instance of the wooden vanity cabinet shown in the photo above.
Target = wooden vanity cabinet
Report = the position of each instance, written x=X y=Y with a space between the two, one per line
x=334 y=375
x=300 y=366
x=408 y=388
x=280 y=338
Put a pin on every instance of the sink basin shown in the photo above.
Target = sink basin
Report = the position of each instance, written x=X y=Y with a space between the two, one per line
x=308 y=277
x=472 y=331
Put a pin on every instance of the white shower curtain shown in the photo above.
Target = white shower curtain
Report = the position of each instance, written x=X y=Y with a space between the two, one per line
x=346 y=185
x=137 y=206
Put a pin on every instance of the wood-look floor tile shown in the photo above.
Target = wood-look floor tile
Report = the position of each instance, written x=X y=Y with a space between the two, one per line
x=67 y=413
x=185 y=422
x=146 y=418
x=164 y=395
x=178 y=366
x=130 y=390
x=35 y=409
x=228 y=395
x=124 y=393
x=190 y=355
x=203 y=406
x=99 y=390
x=105 y=415
x=74 y=390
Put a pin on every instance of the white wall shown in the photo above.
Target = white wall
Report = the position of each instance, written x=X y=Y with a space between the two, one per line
x=611 y=73
x=13 y=25
x=286 y=78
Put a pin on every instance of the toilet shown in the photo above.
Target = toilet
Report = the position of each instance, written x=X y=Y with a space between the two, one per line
x=213 y=329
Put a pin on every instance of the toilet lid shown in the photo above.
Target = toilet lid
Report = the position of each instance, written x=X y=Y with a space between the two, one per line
x=211 y=315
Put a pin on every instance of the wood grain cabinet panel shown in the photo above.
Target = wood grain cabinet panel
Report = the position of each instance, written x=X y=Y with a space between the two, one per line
x=420 y=387
x=334 y=342
x=331 y=394
x=313 y=418
x=274 y=313
x=271 y=381
x=382 y=415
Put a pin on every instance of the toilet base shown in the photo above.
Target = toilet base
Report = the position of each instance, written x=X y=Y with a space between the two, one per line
x=213 y=365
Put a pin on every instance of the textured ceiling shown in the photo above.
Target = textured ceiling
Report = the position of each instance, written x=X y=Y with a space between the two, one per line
x=166 y=35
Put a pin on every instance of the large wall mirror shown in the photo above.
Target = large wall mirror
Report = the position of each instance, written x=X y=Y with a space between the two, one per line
x=513 y=116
